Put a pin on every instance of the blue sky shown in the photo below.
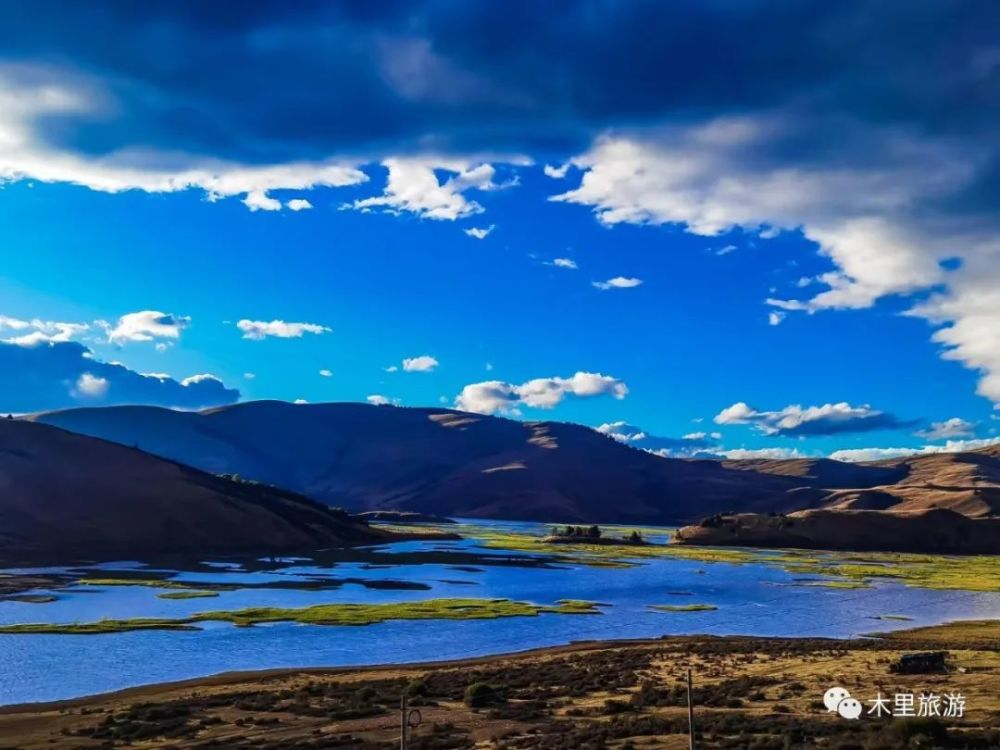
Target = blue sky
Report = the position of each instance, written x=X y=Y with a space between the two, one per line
x=773 y=261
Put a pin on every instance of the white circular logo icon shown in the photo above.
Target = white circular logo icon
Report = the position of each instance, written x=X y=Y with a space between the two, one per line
x=833 y=697
x=849 y=708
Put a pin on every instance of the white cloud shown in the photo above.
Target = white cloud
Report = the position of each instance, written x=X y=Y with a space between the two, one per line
x=480 y=233
x=556 y=173
x=91 y=386
x=326 y=373
x=622 y=431
x=36 y=331
x=702 y=436
x=249 y=375
x=414 y=186
x=379 y=400
x=725 y=250
x=950 y=428
x=423 y=363
x=392 y=368
x=146 y=325
x=30 y=95
x=258 y=200
x=795 y=420
x=876 y=454
x=300 y=401
x=203 y=377
x=775 y=317
x=13 y=323
x=876 y=206
x=564 y=263
x=494 y=396
x=700 y=444
x=618 y=282
x=770 y=453
x=260 y=329
x=298 y=204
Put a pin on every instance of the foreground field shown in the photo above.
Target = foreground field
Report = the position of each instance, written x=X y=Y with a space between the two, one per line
x=748 y=693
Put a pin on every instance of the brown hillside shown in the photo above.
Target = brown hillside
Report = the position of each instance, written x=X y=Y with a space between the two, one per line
x=65 y=496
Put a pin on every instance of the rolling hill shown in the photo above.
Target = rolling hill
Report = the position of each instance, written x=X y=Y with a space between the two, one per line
x=439 y=461
x=445 y=462
x=933 y=531
x=66 y=497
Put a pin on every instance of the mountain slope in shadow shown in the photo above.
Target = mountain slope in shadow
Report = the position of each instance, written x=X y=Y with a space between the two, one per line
x=446 y=462
x=439 y=461
x=66 y=497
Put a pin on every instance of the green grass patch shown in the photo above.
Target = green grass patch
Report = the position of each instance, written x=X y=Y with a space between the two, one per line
x=191 y=594
x=823 y=584
x=683 y=607
x=328 y=614
x=847 y=570
x=30 y=598
x=99 y=627
x=155 y=583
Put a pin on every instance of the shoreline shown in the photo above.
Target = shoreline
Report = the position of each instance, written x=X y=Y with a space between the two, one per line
x=603 y=694
x=235 y=677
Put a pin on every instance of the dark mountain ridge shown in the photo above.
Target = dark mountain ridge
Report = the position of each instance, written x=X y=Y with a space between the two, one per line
x=67 y=497
x=446 y=462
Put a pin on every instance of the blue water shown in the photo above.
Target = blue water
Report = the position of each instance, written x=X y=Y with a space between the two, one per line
x=752 y=599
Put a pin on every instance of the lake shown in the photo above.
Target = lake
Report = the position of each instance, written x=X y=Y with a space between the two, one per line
x=751 y=598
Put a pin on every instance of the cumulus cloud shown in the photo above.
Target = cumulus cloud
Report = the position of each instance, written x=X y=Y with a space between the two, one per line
x=878 y=454
x=326 y=373
x=146 y=325
x=414 y=186
x=757 y=453
x=64 y=374
x=775 y=317
x=423 y=363
x=878 y=201
x=257 y=330
x=33 y=332
x=91 y=386
x=567 y=263
x=556 y=173
x=618 y=282
x=480 y=233
x=205 y=377
x=798 y=421
x=955 y=427
x=700 y=444
x=298 y=204
x=492 y=396
x=31 y=96
x=377 y=399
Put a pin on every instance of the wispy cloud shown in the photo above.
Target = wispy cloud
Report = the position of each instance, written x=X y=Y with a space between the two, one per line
x=423 y=363
x=799 y=421
x=257 y=330
x=618 y=282
x=494 y=396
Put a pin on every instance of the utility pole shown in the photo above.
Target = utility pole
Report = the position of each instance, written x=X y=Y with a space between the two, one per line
x=690 y=713
x=408 y=719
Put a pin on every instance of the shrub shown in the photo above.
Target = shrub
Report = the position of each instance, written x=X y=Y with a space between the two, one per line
x=481 y=694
